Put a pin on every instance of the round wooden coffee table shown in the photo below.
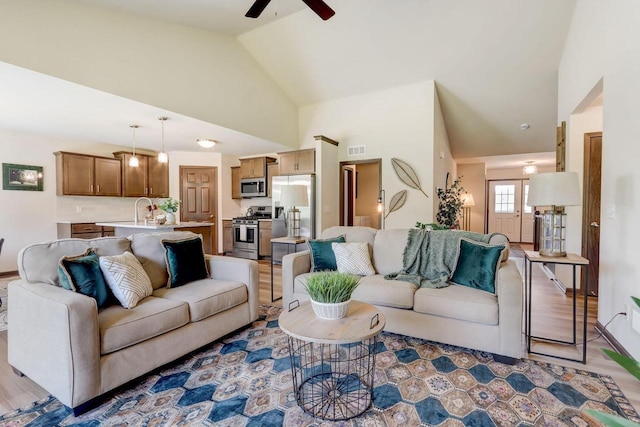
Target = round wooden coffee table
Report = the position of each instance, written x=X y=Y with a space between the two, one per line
x=333 y=361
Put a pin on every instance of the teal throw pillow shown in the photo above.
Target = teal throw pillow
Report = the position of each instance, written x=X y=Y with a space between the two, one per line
x=477 y=265
x=82 y=274
x=185 y=261
x=322 y=256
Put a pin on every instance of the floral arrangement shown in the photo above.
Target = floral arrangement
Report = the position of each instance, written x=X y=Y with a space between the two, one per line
x=170 y=205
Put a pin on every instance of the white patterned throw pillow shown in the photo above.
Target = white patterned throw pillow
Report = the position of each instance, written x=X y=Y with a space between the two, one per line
x=126 y=278
x=353 y=258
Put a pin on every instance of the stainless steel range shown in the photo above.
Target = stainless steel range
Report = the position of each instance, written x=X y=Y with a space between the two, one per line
x=245 y=231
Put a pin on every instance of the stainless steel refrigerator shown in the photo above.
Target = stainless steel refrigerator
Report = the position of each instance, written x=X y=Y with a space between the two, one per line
x=307 y=214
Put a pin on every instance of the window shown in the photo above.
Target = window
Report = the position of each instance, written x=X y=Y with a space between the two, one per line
x=505 y=201
x=527 y=209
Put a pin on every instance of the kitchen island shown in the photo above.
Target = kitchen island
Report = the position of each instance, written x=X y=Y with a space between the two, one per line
x=127 y=228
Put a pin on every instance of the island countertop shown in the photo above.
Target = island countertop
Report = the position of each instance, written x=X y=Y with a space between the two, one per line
x=154 y=226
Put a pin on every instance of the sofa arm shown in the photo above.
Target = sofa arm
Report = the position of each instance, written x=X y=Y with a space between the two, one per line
x=293 y=265
x=238 y=270
x=53 y=338
x=510 y=293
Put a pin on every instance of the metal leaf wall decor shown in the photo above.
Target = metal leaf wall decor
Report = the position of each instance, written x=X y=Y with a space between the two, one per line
x=397 y=201
x=407 y=175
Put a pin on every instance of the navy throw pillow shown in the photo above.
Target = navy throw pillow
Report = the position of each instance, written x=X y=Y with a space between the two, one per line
x=322 y=256
x=82 y=274
x=477 y=265
x=185 y=261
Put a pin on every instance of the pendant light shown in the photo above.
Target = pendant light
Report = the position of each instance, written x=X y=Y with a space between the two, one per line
x=133 y=161
x=163 y=157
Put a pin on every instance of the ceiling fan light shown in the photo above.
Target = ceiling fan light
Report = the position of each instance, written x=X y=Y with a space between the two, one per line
x=163 y=157
x=206 y=143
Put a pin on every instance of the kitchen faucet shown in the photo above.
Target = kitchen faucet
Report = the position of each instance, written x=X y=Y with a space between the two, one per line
x=135 y=215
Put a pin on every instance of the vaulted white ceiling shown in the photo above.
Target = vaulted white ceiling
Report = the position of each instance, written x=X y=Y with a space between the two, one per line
x=495 y=62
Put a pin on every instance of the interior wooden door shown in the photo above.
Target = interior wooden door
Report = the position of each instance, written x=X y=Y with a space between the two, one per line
x=591 y=188
x=198 y=195
x=505 y=201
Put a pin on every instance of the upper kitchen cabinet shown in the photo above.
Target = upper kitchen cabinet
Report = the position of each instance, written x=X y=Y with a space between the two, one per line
x=297 y=162
x=255 y=167
x=86 y=175
x=149 y=179
x=273 y=169
x=158 y=177
x=235 y=182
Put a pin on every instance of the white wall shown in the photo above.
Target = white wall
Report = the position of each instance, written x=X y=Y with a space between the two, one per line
x=602 y=44
x=197 y=73
x=397 y=123
x=441 y=157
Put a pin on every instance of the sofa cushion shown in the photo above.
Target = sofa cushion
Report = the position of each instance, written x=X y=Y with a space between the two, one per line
x=351 y=234
x=477 y=264
x=388 y=250
x=206 y=297
x=147 y=247
x=185 y=261
x=458 y=302
x=353 y=258
x=322 y=256
x=120 y=328
x=81 y=273
x=39 y=262
x=126 y=278
x=373 y=290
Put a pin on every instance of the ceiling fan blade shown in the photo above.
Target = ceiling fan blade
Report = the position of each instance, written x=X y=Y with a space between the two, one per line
x=257 y=8
x=320 y=8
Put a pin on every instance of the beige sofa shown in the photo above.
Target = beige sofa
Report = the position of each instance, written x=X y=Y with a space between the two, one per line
x=60 y=340
x=456 y=315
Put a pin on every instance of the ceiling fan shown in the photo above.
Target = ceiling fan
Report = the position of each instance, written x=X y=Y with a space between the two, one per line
x=318 y=6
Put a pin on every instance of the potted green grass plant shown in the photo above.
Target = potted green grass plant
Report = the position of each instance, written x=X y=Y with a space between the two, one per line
x=330 y=293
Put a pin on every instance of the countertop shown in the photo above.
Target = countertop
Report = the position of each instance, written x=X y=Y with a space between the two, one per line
x=152 y=226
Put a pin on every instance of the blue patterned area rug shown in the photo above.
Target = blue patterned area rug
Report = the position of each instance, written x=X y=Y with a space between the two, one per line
x=245 y=380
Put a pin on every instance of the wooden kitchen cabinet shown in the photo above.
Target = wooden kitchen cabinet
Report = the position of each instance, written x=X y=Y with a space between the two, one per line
x=297 y=162
x=86 y=175
x=227 y=237
x=149 y=179
x=264 y=238
x=83 y=230
x=255 y=167
x=235 y=182
x=273 y=169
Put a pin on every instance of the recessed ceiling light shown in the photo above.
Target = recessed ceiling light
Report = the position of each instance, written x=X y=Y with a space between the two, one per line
x=524 y=126
x=206 y=143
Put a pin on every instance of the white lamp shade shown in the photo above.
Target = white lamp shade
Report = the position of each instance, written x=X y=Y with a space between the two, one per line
x=554 y=189
x=467 y=200
x=294 y=195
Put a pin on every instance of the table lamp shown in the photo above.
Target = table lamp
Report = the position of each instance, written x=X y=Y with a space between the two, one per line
x=292 y=196
x=467 y=203
x=555 y=189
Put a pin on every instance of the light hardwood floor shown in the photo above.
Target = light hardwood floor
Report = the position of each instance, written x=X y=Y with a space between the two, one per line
x=551 y=315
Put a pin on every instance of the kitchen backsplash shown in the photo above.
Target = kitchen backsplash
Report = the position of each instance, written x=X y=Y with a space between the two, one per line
x=92 y=209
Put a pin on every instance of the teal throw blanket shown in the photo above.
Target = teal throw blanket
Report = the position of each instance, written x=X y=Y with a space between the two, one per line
x=429 y=256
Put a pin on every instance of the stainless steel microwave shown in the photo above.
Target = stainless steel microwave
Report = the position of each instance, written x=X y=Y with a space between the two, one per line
x=253 y=187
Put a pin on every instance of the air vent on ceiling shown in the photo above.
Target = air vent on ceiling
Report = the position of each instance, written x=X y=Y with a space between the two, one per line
x=356 y=150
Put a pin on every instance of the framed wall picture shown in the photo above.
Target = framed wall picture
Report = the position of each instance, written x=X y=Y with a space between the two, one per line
x=21 y=177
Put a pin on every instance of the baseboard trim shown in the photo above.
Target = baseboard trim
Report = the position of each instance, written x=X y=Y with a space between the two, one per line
x=8 y=273
x=611 y=339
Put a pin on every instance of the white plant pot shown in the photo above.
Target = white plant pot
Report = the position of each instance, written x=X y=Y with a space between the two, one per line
x=171 y=218
x=330 y=311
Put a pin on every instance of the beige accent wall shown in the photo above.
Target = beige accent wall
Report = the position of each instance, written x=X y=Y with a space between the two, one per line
x=367 y=201
x=602 y=44
x=442 y=160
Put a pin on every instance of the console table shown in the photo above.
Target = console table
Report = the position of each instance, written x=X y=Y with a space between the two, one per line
x=332 y=361
x=575 y=261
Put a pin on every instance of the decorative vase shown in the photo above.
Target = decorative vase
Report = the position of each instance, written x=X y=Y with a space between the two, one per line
x=171 y=218
x=330 y=311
